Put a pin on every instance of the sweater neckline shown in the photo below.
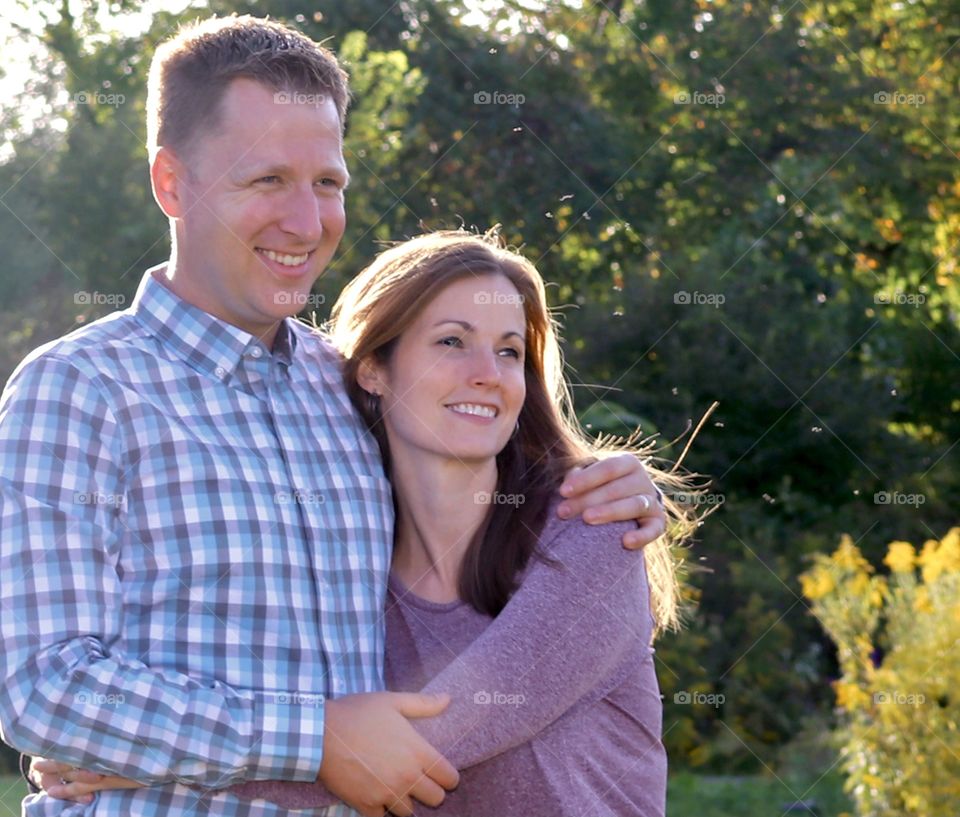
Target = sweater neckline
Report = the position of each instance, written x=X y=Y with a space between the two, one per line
x=406 y=596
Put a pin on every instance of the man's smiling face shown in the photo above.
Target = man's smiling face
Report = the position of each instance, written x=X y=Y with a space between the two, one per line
x=262 y=206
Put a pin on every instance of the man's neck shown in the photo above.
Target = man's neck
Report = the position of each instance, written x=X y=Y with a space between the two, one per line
x=167 y=275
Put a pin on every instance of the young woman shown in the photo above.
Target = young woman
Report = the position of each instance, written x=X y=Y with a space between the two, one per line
x=539 y=629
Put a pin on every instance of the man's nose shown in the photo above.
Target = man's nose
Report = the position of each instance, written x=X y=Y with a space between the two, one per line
x=302 y=215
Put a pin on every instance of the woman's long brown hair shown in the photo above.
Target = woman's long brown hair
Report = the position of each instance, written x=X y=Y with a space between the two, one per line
x=378 y=306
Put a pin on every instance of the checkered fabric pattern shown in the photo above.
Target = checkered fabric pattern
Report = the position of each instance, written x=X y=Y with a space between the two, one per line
x=195 y=537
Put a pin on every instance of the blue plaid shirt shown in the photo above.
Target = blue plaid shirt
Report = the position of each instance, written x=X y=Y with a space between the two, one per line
x=195 y=536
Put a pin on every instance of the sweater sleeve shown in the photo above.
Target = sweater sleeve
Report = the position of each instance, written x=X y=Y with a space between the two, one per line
x=564 y=633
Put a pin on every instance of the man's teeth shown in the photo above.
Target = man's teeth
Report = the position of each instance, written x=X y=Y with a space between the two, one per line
x=286 y=260
x=473 y=408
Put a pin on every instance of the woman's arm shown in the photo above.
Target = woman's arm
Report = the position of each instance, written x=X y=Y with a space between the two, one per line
x=565 y=631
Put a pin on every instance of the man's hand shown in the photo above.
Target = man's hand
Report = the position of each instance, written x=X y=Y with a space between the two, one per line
x=615 y=489
x=374 y=760
x=64 y=782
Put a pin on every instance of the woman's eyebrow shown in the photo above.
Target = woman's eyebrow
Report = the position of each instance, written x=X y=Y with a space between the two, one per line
x=469 y=327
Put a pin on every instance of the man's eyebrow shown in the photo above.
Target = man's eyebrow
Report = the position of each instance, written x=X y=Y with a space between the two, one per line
x=469 y=327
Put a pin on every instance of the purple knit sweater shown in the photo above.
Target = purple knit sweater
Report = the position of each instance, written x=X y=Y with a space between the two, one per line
x=555 y=708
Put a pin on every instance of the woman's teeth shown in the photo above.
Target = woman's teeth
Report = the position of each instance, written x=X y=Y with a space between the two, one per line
x=473 y=408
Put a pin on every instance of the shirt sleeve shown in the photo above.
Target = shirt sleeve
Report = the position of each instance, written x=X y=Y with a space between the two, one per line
x=564 y=633
x=66 y=692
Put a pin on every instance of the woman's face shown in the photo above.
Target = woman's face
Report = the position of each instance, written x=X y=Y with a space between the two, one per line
x=454 y=385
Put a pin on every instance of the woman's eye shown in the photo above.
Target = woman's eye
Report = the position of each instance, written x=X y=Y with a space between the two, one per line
x=511 y=352
x=449 y=341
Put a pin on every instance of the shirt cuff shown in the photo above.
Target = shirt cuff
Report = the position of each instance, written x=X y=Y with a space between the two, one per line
x=290 y=743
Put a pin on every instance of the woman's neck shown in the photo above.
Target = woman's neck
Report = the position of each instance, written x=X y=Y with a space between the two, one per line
x=441 y=504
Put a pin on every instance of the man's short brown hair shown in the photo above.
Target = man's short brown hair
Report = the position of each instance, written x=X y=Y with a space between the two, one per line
x=192 y=70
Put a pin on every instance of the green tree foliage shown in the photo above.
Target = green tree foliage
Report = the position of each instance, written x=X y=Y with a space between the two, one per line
x=744 y=202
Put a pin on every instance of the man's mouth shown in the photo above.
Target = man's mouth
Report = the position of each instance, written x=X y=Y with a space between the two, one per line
x=285 y=259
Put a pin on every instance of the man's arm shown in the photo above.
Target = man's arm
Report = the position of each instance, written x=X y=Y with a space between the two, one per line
x=66 y=692
x=616 y=489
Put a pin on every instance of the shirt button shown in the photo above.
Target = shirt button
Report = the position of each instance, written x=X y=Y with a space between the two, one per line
x=257 y=352
x=220 y=372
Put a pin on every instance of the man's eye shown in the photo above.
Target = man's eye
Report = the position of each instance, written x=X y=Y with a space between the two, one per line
x=269 y=179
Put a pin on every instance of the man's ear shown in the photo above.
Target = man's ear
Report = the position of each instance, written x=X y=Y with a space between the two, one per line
x=370 y=377
x=167 y=174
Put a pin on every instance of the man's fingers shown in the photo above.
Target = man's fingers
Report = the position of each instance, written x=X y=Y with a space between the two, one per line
x=50 y=766
x=440 y=770
x=402 y=807
x=582 y=480
x=643 y=508
x=648 y=531
x=428 y=792
x=414 y=705
x=78 y=792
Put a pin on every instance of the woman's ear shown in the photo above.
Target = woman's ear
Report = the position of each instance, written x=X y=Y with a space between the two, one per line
x=370 y=377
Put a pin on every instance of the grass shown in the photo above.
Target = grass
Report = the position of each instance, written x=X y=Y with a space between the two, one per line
x=12 y=791
x=690 y=796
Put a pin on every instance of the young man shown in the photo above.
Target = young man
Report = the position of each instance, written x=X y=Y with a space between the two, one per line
x=195 y=527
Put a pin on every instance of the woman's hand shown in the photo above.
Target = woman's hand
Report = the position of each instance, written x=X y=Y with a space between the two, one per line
x=64 y=782
x=615 y=489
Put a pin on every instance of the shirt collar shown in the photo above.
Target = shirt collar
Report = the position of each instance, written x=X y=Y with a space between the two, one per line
x=206 y=343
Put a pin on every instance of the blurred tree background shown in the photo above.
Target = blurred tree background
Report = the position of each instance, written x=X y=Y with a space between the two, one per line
x=745 y=202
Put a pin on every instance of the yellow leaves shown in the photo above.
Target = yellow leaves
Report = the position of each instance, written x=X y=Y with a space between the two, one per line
x=850 y=696
x=865 y=263
x=901 y=557
x=848 y=555
x=859 y=584
x=888 y=230
x=899 y=716
x=937 y=558
x=816 y=584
